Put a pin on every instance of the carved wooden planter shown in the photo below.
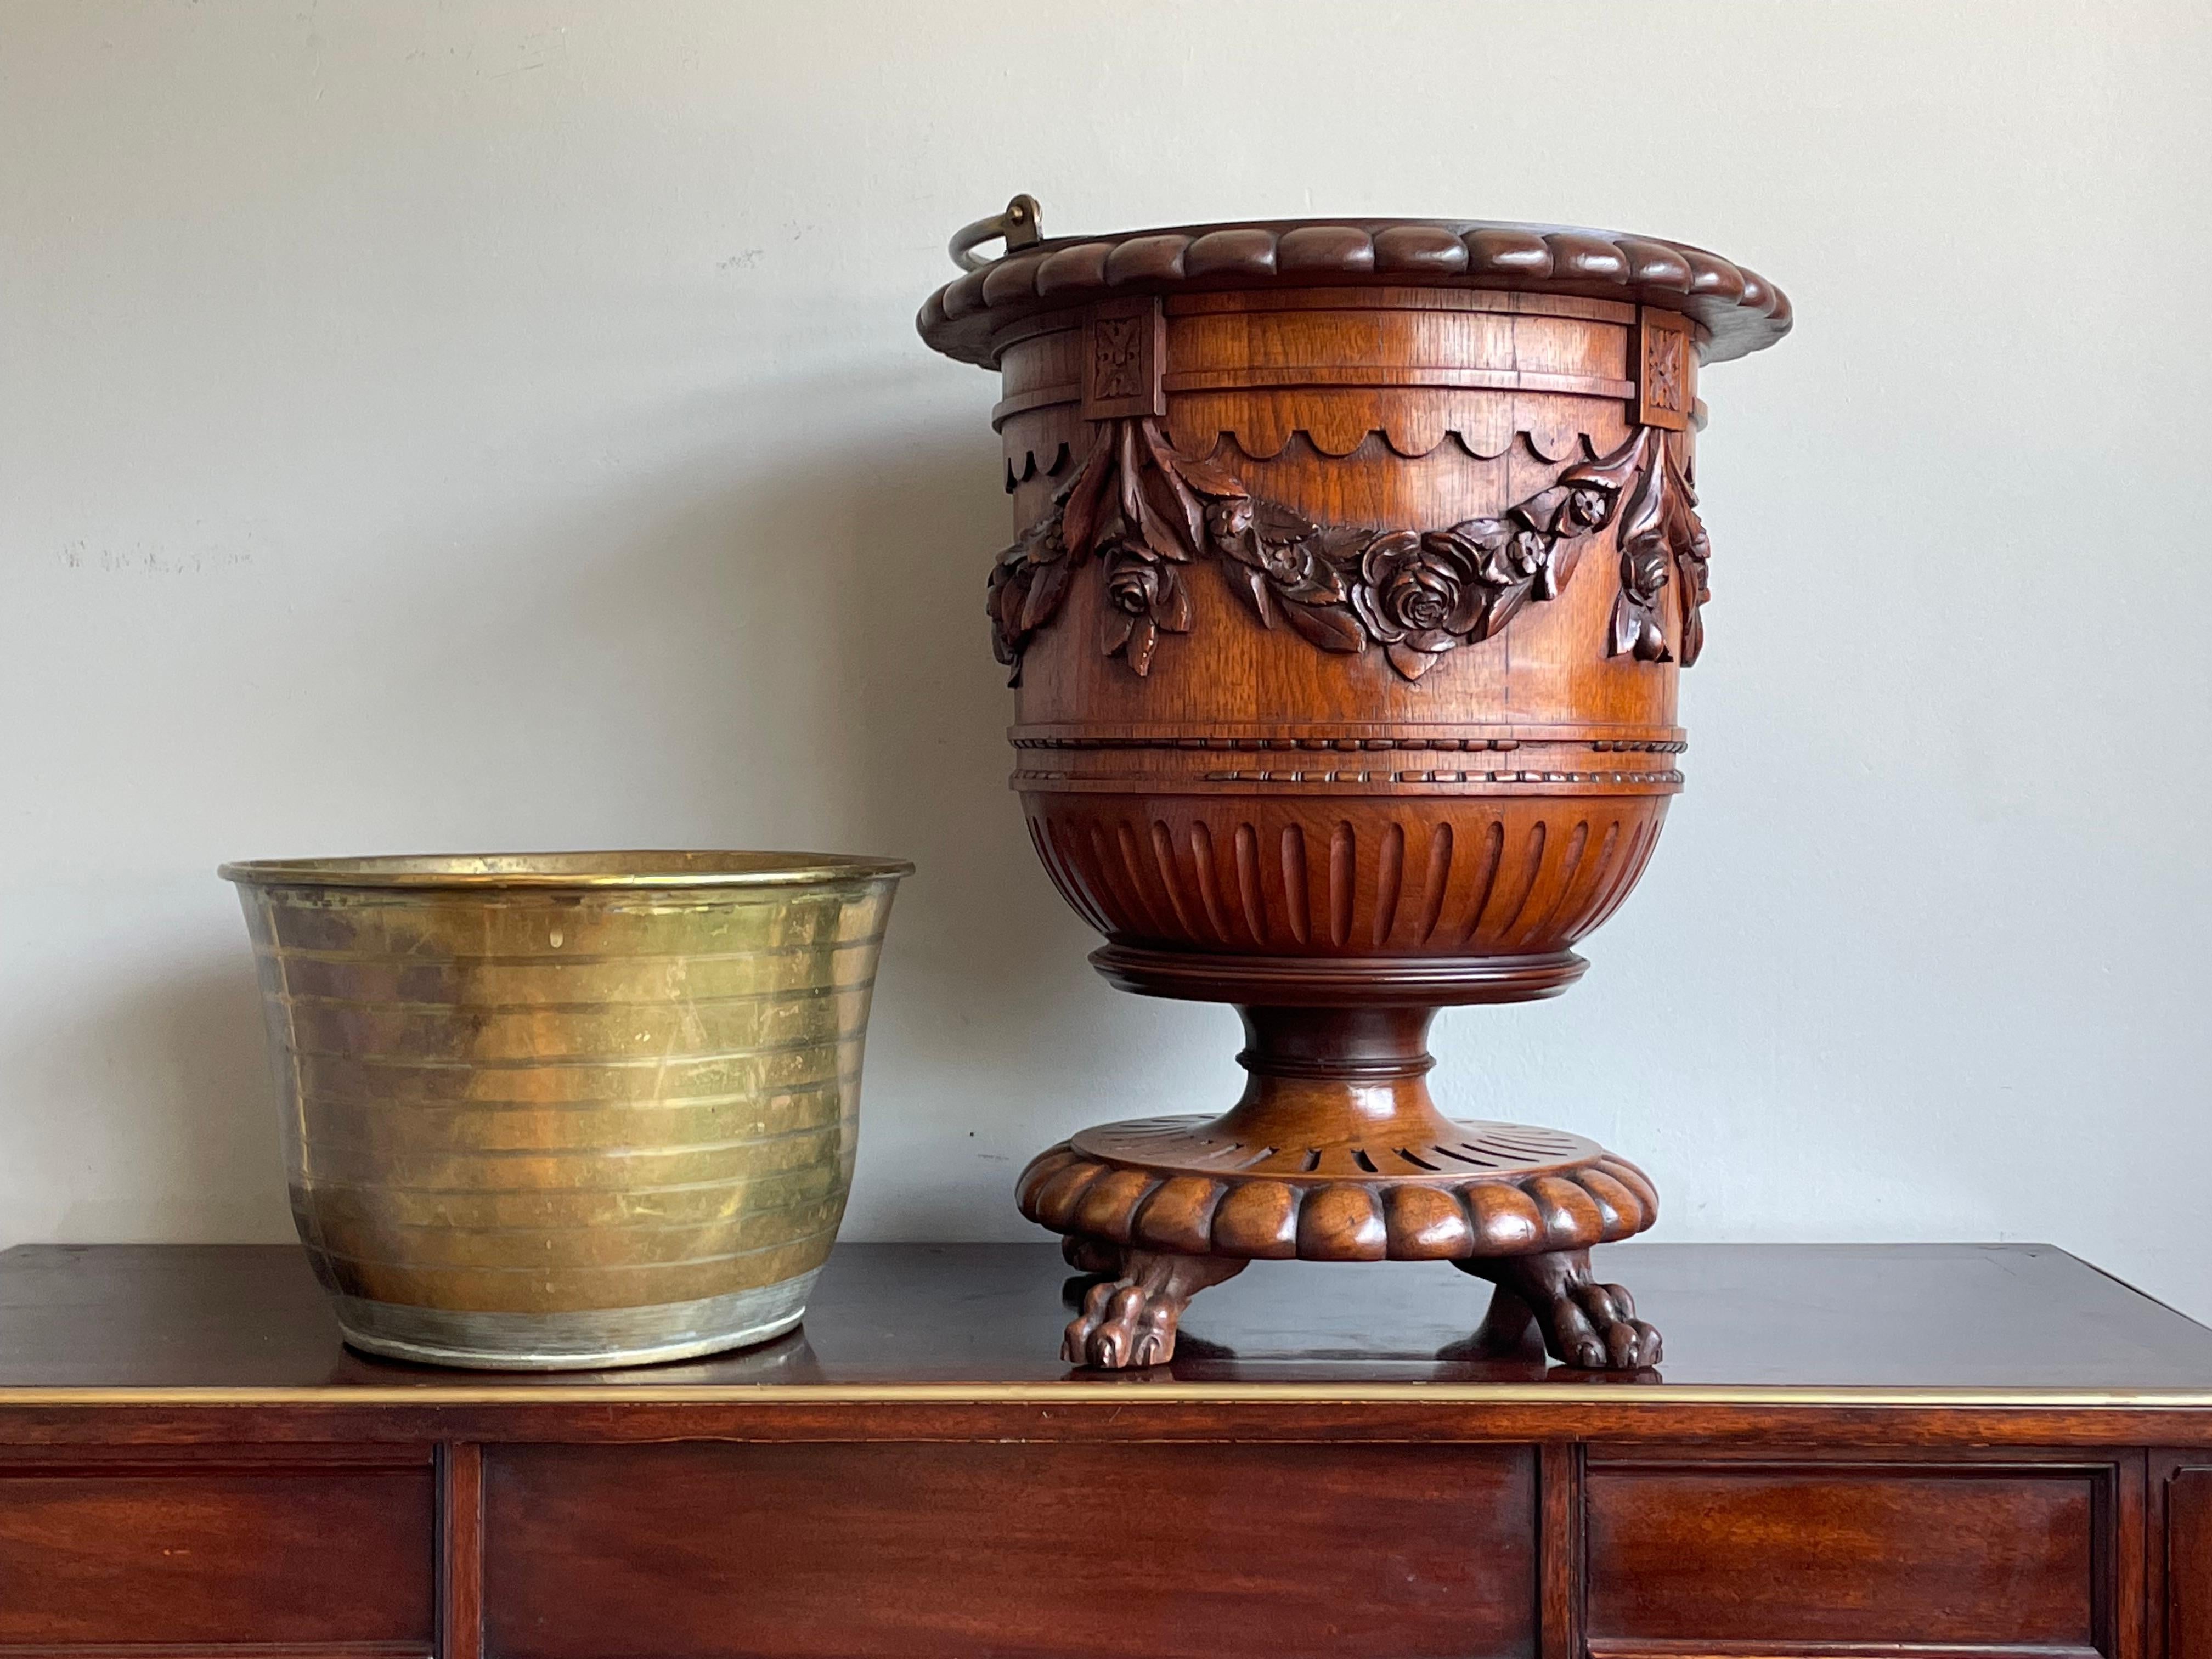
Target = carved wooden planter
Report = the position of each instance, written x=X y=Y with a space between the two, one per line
x=1357 y=562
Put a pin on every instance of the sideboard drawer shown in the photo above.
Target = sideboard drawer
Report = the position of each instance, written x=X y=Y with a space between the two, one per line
x=1028 y=1551
x=1769 y=1557
x=187 y=1553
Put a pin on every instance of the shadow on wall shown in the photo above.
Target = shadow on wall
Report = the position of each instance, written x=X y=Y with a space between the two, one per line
x=846 y=696
x=997 y=950
x=850 y=586
x=797 y=657
x=183 y=1049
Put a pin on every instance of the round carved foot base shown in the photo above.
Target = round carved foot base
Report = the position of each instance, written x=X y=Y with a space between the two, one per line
x=1582 y=1322
x=1187 y=1187
x=1336 y=1153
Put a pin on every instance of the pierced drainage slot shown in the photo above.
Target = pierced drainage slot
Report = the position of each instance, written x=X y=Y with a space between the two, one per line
x=1359 y=1157
x=1479 y=1163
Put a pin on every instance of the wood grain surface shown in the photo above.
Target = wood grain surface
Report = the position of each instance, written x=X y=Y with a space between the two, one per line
x=1355 y=564
x=1853 y=1452
x=1010 y=1552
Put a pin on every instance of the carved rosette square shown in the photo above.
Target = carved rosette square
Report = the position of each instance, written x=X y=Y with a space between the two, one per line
x=1124 y=351
x=1666 y=369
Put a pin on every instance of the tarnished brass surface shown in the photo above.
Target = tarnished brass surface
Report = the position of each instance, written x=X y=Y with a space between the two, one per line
x=567 y=1109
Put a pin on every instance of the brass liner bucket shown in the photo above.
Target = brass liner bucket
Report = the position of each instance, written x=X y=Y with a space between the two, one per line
x=555 y=1110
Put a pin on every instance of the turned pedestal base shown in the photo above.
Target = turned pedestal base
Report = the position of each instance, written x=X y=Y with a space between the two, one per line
x=1337 y=1153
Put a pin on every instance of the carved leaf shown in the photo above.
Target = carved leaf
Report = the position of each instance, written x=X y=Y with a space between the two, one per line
x=1114 y=628
x=1504 y=606
x=1137 y=517
x=1340 y=544
x=1174 y=514
x=1204 y=477
x=1661 y=540
x=1411 y=663
x=1542 y=511
x=1173 y=612
x=1172 y=495
x=1142 y=638
x=1085 y=495
x=1323 y=583
x=1329 y=629
x=1643 y=517
x=1693 y=630
x=1692 y=553
x=1047 y=587
x=1241 y=548
x=1636 y=632
x=1004 y=601
x=1254 y=589
x=1546 y=580
x=1621 y=636
x=1614 y=470
x=1273 y=522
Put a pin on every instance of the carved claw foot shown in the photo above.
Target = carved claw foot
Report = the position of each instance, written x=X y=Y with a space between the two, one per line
x=1130 y=1318
x=1584 y=1323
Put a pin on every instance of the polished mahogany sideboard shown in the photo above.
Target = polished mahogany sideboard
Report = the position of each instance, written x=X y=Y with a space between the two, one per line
x=1914 y=1451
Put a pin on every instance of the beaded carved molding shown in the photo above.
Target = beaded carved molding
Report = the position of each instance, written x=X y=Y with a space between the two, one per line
x=1500 y=1197
x=1144 y=511
x=1740 y=311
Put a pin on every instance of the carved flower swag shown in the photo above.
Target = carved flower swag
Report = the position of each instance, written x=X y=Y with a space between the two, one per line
x=1145 y=511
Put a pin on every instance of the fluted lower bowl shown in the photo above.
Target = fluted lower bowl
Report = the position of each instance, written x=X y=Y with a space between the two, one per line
x=546 y=1111
x=1307 y=874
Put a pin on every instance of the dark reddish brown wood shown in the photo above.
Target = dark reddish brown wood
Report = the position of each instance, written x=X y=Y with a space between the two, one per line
x=2186 y=1575
x=1666 y=361
x=2128 y=1586
x=1910 y=1445
x=1559 y=1564
x=1554 y=1296
x=1773 y=1557
x=1024 y=1552
x=460 y=1551
x=2028 y=1324
x=1129 y=1315
x=311 y=1555
x=1354 y=565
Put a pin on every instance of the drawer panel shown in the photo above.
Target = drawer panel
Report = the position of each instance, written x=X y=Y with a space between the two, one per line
x=2189 y=1563
x=192 y=1553
x=1030 y=1551
x=1998 y=1557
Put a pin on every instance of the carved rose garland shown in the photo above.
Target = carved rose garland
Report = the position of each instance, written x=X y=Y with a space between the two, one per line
x=1661 y=540
x=1146 y=512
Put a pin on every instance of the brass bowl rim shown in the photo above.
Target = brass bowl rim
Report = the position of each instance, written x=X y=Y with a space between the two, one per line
x=622 y=869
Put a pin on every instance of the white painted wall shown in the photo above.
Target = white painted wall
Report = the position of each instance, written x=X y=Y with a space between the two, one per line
x=461 y=426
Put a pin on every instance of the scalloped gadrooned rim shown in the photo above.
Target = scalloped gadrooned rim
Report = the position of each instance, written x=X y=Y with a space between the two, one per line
x=1740 y=310
x=1264 y=1219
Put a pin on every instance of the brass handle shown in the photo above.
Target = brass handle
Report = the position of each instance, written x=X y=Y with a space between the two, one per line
x=1022 y=225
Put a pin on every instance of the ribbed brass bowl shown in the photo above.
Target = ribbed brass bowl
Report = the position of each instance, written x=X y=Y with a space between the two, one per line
x=567 y=1109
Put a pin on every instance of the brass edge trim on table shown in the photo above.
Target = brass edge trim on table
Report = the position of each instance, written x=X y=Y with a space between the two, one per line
x=1125 y=1393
